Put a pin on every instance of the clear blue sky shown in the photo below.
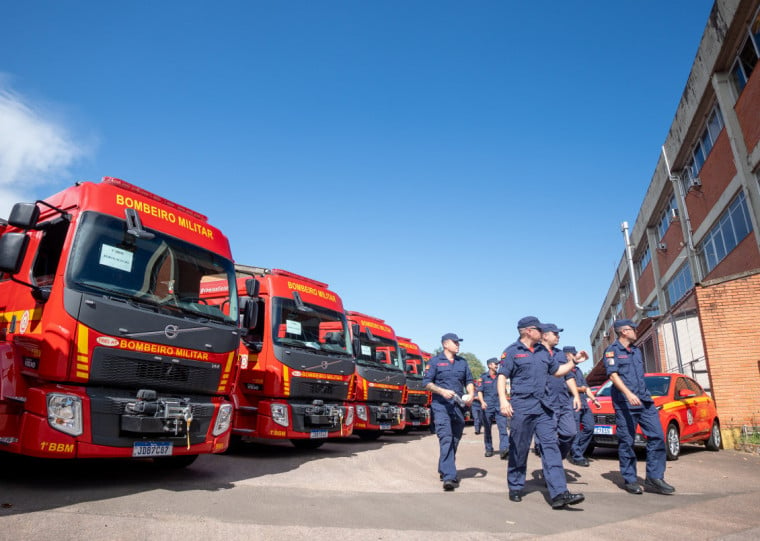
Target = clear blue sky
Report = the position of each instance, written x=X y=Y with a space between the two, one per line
x=443 y=165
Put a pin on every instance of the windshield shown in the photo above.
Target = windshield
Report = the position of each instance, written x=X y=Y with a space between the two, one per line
x=657 y=386
x=163 y=272
x=378 y=350
x=309 y=326
x=413 y=363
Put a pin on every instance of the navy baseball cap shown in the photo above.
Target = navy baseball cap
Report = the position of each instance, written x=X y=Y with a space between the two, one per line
x=450 y=336
x=569 y=349
x=624 y=323
x=528 y=321
x=550 y=327
x=492 y=360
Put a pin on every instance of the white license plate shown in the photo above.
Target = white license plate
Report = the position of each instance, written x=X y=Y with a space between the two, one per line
x=415 y=423
x=385 y=426
x=152 y=448
x=318 y=434
x=601 y=429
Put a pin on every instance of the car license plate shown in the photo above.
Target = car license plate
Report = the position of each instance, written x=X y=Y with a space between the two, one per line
x=317 y=434
x=385 y=426
x=415 y=423
x=601 y=429
x=152 y=448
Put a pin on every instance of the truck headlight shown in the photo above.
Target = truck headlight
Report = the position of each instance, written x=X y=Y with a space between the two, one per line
x=349 y=415
x=223 y=419
x=65 y=413
x=279 y=414
x=361 y=412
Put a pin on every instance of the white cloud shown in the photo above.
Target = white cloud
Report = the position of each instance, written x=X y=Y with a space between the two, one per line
x=35 y=148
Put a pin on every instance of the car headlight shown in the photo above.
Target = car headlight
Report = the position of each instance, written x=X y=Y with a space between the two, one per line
x=361 y=412
x=280 y=414
x=349 y=415
x=223 y=419
x=65 y=413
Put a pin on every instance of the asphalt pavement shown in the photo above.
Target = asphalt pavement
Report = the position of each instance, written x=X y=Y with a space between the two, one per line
x=386 y=489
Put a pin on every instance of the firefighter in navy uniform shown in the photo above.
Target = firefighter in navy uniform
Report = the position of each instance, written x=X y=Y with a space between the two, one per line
x=634 y=407
x=447 y=375
x=584 y=419
x=489 y=394
x=476 y=410
x=564 y=396
x=527 y=364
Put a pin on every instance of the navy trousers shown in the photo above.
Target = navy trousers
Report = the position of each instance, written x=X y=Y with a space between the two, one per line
x=649 y=421
x=449 y=425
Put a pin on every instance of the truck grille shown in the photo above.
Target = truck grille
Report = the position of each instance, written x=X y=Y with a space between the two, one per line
x=420 y=399
x=309 y=388
x=138 y=370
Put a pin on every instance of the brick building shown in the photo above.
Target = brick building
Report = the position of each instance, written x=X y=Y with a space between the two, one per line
x=690 y=271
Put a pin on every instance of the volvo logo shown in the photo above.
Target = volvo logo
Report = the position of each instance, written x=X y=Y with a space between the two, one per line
x=171 y=331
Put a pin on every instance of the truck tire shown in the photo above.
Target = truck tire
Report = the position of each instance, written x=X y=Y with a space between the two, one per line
x=368 y=435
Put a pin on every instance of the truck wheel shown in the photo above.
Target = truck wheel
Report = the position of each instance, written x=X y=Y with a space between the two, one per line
x=175 y=462
x=713 y=444
x=672 y=442
x=307 y=444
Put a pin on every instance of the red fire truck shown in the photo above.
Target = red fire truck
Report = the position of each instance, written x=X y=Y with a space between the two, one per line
x=106 y=348
x=417 y=404
x=379 y=387
x=295 y=362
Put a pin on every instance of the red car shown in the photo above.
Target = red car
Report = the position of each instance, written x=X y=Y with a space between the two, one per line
x=687 y=414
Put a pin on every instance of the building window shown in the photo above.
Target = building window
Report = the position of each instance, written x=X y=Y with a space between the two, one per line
x=703 y=147
x=666 y=218
x=747 y=58
x=679 y=285
x=654 y=308
x=642 y=263
x=730 y=229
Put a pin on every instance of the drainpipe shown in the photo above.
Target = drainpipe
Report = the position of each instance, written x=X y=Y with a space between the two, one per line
x=683 y=211
x=631 y=269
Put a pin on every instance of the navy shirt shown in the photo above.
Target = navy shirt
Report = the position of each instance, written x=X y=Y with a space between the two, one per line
x=490 y=391
x=628 y=363
x=559 y=394
x=528 y=371
x=452 y=375
x=580 y=381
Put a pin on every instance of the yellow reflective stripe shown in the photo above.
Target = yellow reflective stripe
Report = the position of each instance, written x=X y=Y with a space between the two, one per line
x=83 y=344
x=285 y=380
x=226 y=374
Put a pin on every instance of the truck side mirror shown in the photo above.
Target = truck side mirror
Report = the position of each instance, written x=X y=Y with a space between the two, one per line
x=24 y=215
x=355 y=340
x=250 y=314
x=252 y=287
x=12 y=251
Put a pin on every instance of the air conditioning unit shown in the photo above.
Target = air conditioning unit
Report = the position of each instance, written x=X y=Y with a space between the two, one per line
x=661 y=246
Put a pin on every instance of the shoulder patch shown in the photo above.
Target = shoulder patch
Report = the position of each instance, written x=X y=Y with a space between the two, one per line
x=504 y=355
x=610 y=361
x=609 y=354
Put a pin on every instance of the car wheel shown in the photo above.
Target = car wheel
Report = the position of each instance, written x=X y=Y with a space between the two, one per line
x=713 y=444
x=672 y=442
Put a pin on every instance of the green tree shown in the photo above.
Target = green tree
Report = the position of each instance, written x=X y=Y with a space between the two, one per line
x=476 y=367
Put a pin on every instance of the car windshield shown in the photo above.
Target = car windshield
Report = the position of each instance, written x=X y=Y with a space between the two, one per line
x=379 y=351
x=309 y=326
x=162 y=272
x=657 y=386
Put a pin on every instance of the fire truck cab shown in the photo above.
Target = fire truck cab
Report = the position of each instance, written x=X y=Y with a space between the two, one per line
x=295 y=363
x=106 y=348
x=379 y=389
x=417 y=403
